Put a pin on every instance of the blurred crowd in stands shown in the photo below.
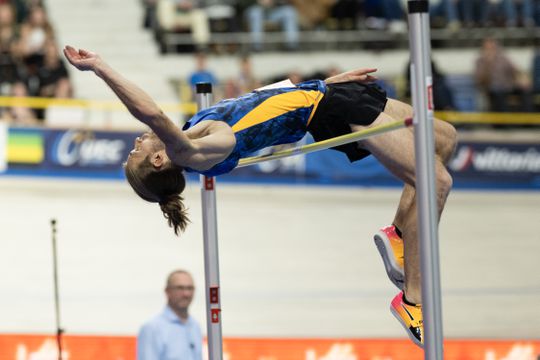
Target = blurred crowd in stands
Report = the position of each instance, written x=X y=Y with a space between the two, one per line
x=201 y=18
x=496 y=80
x=30 y=62
x=501 y=85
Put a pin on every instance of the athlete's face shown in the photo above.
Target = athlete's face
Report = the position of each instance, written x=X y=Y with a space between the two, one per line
x=144 y=145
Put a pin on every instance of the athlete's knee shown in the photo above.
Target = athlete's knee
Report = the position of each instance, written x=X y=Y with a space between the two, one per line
x=446 y=140
x=451 y=138
x=443 y=184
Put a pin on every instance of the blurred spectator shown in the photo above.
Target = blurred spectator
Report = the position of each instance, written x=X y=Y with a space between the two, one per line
x=231 y=89
x=273 y=12
x=247 y=81
x=222 y=15
x=387 y=86
x=7 y=26
x=173 y=334
x=30 y=64
x=333 y=70
x=445 y=12
x=21 y=115
x=10 y=79
x=243 y=83
x=475 y=12
x=10 y=70
x=313 y=14
x=11 y=84
x=149 y=19
x=513 y=17
x=22 y=8
x=34 y=32
x=443 y=97
x=536 y=71
x=345 y=15
x=178 y=15
x=53 y=76
x=498 y=12
x=498 y=78
x=536 y=12
x=385 y=14
x=201 y=73
x=294 y=75
x=324 y=74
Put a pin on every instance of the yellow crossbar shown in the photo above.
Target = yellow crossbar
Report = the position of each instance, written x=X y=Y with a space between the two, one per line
x=326 y=144
x=456 y=117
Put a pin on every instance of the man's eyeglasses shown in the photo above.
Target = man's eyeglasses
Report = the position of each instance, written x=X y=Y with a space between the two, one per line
x=181 y=288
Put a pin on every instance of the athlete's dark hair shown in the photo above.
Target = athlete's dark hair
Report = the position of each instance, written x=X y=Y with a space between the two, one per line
x=163 y=186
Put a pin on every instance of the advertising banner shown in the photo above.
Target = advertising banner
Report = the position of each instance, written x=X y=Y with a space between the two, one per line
x=98 y=154
x=504 y=165
x=32 y=347
x=67 y=152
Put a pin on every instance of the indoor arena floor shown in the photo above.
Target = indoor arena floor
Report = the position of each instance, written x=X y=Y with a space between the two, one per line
x=294 y=261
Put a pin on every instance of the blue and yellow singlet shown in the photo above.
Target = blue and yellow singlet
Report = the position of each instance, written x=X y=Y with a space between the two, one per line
x=263 y=118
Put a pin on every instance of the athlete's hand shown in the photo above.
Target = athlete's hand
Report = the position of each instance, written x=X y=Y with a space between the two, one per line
x=358 y=75
x=82 y=59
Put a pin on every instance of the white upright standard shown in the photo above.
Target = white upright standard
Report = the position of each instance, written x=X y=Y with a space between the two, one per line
x=422 y=85
x=211 y=255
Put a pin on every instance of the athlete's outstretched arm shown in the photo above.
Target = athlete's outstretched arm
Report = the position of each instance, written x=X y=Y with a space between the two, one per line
x=139 y=104
x=358 y=75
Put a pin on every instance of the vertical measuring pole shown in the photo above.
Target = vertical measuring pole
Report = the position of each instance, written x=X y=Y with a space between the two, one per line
x=422 y=84
x=211 y=255
x=59 y=329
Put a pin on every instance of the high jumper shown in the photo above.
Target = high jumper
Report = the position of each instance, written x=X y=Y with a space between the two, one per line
x=214 y=140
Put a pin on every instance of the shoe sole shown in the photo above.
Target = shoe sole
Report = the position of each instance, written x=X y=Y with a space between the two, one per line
x=411 y=336
x=395 y=274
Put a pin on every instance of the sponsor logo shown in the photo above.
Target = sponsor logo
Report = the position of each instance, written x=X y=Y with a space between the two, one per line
x=496 y=159
x=83 y=149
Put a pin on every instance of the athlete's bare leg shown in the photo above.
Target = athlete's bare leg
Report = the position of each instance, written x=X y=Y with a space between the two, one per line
x=395 y=150
x=445 y=142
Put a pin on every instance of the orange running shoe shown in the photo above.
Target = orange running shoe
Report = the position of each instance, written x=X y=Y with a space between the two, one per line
x=410 y=316
x=390 y=246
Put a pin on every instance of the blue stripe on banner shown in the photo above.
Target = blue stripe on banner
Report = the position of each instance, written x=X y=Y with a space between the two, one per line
x=475 y=165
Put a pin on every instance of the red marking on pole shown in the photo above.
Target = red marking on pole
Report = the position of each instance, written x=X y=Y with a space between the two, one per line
x=430 y=97
x=215 y=315
x=408 y=122
x=208 y=183
x=214 y=295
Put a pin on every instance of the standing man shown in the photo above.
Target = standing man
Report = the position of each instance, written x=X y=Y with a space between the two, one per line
x=173 y=334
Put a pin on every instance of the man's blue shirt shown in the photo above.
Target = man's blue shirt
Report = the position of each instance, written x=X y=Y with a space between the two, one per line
x=166 y=337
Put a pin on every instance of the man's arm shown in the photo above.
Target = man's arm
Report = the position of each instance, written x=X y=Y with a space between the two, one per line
x=139 y=104
x=359 y=75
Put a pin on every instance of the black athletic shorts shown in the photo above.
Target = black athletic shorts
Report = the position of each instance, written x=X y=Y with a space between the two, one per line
x=344 y=104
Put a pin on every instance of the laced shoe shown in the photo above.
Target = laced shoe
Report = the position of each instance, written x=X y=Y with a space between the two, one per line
x=410 y=317
x=390 y=246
